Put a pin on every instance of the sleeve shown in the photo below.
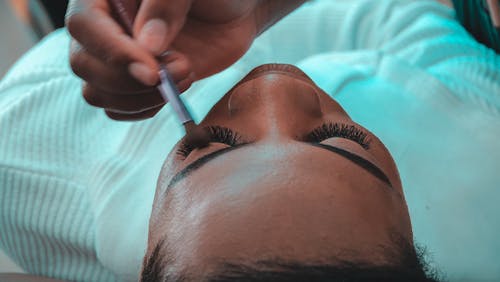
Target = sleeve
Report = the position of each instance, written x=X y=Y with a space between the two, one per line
x=105 y=170
x=47 y=134
x=44 y=123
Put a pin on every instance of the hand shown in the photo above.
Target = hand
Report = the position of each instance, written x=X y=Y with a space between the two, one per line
x=120 y=71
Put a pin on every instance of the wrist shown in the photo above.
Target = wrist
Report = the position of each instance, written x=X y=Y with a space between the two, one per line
x=270 y=12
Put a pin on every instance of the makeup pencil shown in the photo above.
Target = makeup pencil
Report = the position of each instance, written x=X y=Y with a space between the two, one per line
x=195 y=136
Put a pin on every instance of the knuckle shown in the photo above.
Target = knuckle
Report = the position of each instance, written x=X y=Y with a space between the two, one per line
x=74 y=24
x=184 y=69
x=115 y=52
x=77 y=63
x=115 y=57
x=76 y=9
x=91 y=96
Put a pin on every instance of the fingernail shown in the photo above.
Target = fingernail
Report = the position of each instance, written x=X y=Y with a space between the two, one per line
x=173 y=69
x=143 y=73
x=153 y=35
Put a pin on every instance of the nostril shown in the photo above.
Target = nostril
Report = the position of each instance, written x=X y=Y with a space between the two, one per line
x=277 y=67
x=276 y=94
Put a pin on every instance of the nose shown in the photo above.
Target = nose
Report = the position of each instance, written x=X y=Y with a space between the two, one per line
x=279 y=100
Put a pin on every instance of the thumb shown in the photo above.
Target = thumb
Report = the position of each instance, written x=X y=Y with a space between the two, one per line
x=158 y=22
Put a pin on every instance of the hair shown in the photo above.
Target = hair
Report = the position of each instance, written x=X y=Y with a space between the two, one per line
x=409 y=265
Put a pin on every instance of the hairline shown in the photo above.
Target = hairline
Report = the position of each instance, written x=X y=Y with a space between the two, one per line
x=403 y=253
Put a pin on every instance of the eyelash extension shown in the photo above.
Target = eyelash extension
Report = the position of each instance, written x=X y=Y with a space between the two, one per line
x=331 y=130
x=227 y=136
x=217 y=134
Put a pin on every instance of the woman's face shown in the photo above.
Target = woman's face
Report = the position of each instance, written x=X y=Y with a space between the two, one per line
x=288 y=175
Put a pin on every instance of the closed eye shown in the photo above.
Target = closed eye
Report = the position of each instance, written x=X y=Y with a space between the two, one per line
x=217 y=134
x=340 y=130
x=224 y=135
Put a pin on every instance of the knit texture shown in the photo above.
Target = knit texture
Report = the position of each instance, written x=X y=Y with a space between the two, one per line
x=76 y=188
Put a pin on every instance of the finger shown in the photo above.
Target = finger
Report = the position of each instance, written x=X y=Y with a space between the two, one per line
x=178 y=65
x=158 y=23
x=97 y=73
x=100 y=35
x=129 y=104
x=117 y=79
x=180 y=68
x=147 y=113
x=184 y=85
x=216 y=51
x=133 y=117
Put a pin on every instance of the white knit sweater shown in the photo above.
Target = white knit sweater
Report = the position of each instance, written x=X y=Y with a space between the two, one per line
x=76 y=188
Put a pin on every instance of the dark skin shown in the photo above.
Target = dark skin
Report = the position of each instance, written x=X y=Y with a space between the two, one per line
x=204 y=37
x=105 y=67
x=277 y=196
x=102 y=52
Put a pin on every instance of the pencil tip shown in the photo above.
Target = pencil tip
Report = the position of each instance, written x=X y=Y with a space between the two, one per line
x=196 y=136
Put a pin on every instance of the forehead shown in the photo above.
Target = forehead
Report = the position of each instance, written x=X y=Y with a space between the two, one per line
x=274 y=165
x=289 y=189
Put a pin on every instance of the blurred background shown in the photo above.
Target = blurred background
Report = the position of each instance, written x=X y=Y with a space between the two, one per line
x=23 y=23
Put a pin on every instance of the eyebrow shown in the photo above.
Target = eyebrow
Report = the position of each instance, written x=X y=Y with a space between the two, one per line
x=356 y=159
